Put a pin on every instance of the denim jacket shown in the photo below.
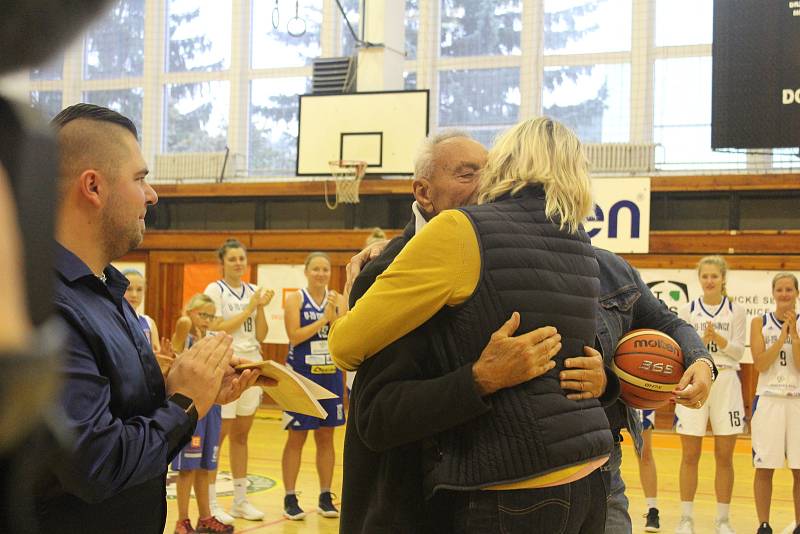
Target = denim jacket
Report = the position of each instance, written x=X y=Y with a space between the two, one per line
x=626 y=303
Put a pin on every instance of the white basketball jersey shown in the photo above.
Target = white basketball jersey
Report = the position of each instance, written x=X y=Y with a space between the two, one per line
x=233 y=301
x=729 y=321
x=782 y=379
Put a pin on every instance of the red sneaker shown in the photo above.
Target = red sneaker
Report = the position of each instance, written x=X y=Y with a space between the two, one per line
x=212 y=525
x=184 y=527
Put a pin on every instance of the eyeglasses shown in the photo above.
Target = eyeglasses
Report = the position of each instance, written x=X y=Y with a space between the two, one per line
x=206 y=316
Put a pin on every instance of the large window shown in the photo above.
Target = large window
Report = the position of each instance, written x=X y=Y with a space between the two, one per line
x=483 y=102
x=196 y=117
x=114 y=46
x=199 y=76
x=586 y=26
x=682 y=117
x=684 y=22
x=294 y=42
x=273 y=125
x=480 y=27
x=199 y=35
x=593 y=100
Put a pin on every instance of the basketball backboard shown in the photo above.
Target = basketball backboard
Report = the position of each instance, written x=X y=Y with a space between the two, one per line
x=382 y=128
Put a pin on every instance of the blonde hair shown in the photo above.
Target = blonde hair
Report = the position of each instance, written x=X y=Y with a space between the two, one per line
x=781 y=276
x=198 y=301
x=720 y=263
x=541 y=151
x=376 y=235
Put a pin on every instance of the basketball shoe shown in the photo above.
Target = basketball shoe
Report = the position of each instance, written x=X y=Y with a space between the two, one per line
x=723 y=526
x=326 y=507
x=212 y=525
x=764 y=528
x=686 y=526
x=245 y=510
x=291 y=509
x=652 y=523
x=184 y=527
x=222 y=516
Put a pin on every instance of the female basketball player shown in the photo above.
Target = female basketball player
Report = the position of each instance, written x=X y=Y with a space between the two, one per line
x=199 y=456
x=648 y=475
x=721 y=324
x=240 y=313
x=134 y=295
x=775 y=424
x=308 y=314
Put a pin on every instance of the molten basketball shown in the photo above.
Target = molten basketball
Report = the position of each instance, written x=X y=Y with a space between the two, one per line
x=649 y=365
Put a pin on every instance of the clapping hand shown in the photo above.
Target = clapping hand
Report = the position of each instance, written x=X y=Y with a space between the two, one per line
x=710 y=333
x=165 y=356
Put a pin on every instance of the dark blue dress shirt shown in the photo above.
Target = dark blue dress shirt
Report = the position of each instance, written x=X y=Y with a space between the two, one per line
x=124 y=431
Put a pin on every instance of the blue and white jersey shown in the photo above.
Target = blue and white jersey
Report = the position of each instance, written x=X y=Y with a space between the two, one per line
x=230 y=302
x=311 y=358
x=144 y=322
x=729 y=320
x=782 y=379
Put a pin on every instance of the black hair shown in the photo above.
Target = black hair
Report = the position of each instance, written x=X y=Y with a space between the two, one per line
x=93 y=113
x=227 y=245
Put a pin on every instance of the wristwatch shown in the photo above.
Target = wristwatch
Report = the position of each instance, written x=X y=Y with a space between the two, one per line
x=710 y=364
x=185 y=403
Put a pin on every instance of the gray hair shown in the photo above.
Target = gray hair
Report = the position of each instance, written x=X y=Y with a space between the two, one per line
x=423 y=162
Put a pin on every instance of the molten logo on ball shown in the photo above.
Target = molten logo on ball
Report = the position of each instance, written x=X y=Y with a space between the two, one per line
x=656 y=344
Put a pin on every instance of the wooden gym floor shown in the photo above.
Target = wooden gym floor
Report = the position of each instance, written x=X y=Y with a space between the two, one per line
x=266 y=445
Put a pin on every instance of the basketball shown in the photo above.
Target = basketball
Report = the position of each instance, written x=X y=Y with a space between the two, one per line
x=649 y=365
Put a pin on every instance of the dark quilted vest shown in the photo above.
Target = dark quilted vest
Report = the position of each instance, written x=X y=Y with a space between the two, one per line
x=551 y=278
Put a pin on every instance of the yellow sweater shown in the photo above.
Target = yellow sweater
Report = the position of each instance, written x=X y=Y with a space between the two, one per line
x=440 y=266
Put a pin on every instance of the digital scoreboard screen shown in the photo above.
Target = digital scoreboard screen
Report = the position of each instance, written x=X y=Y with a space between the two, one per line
x=756 y=74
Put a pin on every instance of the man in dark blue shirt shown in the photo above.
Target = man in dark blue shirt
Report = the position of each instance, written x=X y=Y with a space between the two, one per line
x=125 y=421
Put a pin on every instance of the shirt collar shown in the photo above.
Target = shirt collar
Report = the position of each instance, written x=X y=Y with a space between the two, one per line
x=419 y=218
x=72 y=268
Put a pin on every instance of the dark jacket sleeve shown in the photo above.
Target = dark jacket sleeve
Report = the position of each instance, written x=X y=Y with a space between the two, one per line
x=395 y=403
x=611 y=394
x=109 y=454
x=650 y=312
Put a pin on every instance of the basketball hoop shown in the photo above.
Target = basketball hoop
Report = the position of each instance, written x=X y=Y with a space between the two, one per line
x=348 y=175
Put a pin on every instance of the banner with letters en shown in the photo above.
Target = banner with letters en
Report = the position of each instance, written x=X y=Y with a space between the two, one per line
x=621 y=221
x=751 y=290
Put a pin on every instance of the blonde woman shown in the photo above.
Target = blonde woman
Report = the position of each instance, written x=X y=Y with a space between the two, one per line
x=721 y=325
x=240 y=313
x=775 y=345
x=135 y=295
x=531 y=463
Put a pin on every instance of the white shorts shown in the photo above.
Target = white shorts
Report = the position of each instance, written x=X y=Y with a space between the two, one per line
x=776 y=432
x=245 y=405
x=724 y=407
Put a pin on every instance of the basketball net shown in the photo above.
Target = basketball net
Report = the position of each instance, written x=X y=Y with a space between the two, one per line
x=348 y=175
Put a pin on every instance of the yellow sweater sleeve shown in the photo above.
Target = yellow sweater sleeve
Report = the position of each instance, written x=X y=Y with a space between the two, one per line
x=438 y=267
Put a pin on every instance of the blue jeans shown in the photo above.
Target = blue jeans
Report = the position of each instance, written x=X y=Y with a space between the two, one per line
x=575 y=508
x=618 y=521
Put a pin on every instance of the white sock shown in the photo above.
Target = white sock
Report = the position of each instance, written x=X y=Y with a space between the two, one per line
x=239 y=490
x=687 y=508
x=324 y=490
x=723 y=510
x=291 y=492
x=212 y=495
x=651 y=502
